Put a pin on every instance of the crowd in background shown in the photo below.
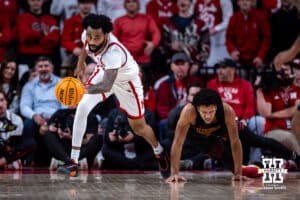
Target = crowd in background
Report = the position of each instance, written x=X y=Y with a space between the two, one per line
x=181 y=46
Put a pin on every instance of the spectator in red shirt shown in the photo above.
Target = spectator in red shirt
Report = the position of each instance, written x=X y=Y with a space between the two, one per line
x=72 y=29
x=161 y=8
x=137 y=32
x=38 y=34
x=172 y=91
x=238 y=93
x=248 y=35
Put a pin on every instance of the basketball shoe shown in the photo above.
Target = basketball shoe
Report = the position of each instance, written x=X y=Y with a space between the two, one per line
x=163 y=164
x=70 y=167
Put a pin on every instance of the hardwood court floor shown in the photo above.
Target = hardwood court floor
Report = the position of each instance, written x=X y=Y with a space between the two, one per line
x=125 y=185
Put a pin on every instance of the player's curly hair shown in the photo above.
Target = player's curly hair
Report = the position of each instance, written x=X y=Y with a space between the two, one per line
x=98 y=21
x=206 y=97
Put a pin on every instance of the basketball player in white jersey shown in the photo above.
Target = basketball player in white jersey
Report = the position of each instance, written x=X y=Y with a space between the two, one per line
x=116 y=73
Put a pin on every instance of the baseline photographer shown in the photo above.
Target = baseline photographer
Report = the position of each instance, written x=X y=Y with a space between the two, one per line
x=122 y=149
x=58 y=137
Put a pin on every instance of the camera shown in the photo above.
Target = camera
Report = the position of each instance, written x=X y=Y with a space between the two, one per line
x=120 y=127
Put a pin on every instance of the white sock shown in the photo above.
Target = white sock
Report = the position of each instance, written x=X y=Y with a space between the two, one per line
x=157 y=150
x=75 y=155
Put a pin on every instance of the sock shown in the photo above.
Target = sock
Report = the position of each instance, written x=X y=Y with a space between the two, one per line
x=157 y=150
x=75 y=155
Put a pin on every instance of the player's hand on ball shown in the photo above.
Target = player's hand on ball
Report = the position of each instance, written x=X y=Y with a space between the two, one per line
x=175 y=178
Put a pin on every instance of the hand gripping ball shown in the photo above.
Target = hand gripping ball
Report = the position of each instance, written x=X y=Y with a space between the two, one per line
x=69 y=91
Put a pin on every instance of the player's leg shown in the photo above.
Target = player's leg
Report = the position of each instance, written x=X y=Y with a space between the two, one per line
x=141 y=128
x=131 y=99
x=87 y=103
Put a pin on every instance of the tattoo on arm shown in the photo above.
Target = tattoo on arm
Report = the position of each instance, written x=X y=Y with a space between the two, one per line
x=106 y=84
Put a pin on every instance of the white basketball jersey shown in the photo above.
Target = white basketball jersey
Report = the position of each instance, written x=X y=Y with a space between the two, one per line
x=113 y=56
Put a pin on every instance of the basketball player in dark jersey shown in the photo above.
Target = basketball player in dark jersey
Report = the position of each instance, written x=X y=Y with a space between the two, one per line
x=210 y=126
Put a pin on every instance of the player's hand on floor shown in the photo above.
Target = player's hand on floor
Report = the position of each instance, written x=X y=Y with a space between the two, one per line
x=175 y=178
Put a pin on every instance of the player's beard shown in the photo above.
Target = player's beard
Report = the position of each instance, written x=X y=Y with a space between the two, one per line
x=98 y=48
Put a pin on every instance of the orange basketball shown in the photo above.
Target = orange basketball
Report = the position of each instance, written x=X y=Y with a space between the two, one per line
x=69 y=91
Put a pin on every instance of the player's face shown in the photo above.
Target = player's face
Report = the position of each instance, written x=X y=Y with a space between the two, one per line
x=207 y=113
x=96 y=39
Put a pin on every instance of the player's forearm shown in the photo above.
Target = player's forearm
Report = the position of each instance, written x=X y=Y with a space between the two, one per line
x=106 y=84
x=237 y=157
x=175 y=158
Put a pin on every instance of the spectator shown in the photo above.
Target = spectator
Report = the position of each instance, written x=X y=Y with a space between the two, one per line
x=276 y=104
x=158 y=9
x=138 y=33
x=71 y=34
x=38 y=105
x=115 y=8
x=122 y=149
x=248 y=36
x=58 y=136
x=10 y=136
x=172 y=91
x=9 y=84
x=285 y=27
x=216 y=15
x=238 y=93
x=184 y=32
x=38 y=34
x=67 y=9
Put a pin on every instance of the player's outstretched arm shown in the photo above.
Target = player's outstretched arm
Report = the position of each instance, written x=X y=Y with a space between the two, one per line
x=106 y=84
x=181 y=131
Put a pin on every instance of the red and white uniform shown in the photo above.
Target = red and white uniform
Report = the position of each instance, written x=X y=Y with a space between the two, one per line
x=128 y=86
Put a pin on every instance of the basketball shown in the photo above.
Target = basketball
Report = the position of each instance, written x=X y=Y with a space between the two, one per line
x=69 y=91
